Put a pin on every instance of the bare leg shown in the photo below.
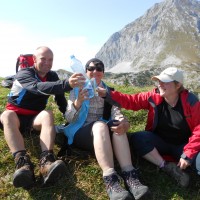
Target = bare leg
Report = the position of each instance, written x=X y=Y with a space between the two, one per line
x=154 y=157
x=102 y=146
x=44 y=121
x=122 y=150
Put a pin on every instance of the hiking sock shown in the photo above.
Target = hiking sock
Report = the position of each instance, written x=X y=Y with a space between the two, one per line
x=128 y=168
x=22 y=152
x=109 y=171
x=162 y=164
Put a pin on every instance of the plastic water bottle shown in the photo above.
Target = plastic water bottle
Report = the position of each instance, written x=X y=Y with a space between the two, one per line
x=77 y=67
x=88 y=86
x=94 y=85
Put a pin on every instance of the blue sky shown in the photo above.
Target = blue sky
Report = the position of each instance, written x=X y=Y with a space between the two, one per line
x=78 y=27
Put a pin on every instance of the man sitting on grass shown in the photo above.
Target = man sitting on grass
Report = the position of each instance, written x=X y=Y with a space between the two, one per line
x=25 y=111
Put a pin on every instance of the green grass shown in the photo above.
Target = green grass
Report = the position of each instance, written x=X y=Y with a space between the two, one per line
x=84 y=178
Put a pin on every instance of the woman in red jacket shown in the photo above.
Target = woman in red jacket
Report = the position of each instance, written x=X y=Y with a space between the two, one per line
x=173 y=124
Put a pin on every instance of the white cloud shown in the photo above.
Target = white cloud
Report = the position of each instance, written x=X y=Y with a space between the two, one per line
x=16 y=40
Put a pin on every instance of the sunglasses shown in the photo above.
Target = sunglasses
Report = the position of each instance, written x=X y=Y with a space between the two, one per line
x=92 y=68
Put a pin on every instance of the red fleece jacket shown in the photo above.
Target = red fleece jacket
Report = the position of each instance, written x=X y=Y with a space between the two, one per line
x=150 y=100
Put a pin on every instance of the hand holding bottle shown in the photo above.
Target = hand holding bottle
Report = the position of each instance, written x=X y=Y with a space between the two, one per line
x=101 y=91
x=77 y=80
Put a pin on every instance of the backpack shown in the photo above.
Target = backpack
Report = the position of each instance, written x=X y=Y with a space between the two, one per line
x=24 y=61
x=8 y=81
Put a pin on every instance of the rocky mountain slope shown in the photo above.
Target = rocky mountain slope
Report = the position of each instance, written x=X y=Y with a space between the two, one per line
x=168 y=34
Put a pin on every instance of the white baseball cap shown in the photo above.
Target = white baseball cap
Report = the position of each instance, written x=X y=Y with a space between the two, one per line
x=170 y=74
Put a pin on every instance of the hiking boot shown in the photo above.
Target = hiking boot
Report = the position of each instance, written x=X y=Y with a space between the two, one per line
x=133 y=184
x=51 y=169
x=178 y=174
x=24 y=175
x=114 y=189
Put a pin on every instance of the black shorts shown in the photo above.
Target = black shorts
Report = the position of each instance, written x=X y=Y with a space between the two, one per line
x=26 y=123
x=83 y=138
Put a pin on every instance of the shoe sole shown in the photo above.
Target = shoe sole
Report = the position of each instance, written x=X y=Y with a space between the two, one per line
x=23 y=179
x=55 y=174
x=127 y=197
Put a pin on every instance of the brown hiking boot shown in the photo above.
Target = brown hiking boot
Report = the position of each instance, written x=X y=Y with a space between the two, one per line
x=51 y=169
x=24 y=175
x=178 y=174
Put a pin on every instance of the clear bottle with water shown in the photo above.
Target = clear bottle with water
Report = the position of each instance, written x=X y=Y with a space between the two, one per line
x=77 y=67
x=94 y=85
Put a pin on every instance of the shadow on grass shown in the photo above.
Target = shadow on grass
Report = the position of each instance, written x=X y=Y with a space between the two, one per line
x=66 y=188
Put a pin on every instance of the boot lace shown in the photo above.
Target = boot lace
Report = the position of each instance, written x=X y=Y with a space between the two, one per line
x=132 y=178
x=47 y=159
x=23 y=161
x=113 y=183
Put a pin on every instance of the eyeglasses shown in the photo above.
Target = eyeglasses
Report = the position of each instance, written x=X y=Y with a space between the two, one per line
x=92 y=68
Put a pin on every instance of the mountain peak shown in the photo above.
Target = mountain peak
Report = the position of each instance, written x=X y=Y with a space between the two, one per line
x=168 y=33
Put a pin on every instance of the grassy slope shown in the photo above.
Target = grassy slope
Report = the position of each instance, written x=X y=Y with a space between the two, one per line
x=84 y=179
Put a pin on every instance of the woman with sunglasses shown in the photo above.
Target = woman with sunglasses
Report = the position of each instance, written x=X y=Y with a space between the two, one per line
x=97 y=126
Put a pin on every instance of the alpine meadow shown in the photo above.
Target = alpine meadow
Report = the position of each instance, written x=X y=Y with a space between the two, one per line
x=84 y=178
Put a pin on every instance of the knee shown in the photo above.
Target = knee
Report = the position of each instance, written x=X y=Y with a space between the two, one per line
x=140 y=139
x=47 y=115
x=8 y=116
x=100 y=127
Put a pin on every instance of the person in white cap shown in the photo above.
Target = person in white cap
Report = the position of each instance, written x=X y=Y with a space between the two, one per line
x=173 y=124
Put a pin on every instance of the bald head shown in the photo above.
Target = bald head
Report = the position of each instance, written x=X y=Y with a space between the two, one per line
x=43 y=49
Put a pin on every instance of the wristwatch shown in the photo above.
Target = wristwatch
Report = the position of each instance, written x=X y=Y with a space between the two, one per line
x=186 y=158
